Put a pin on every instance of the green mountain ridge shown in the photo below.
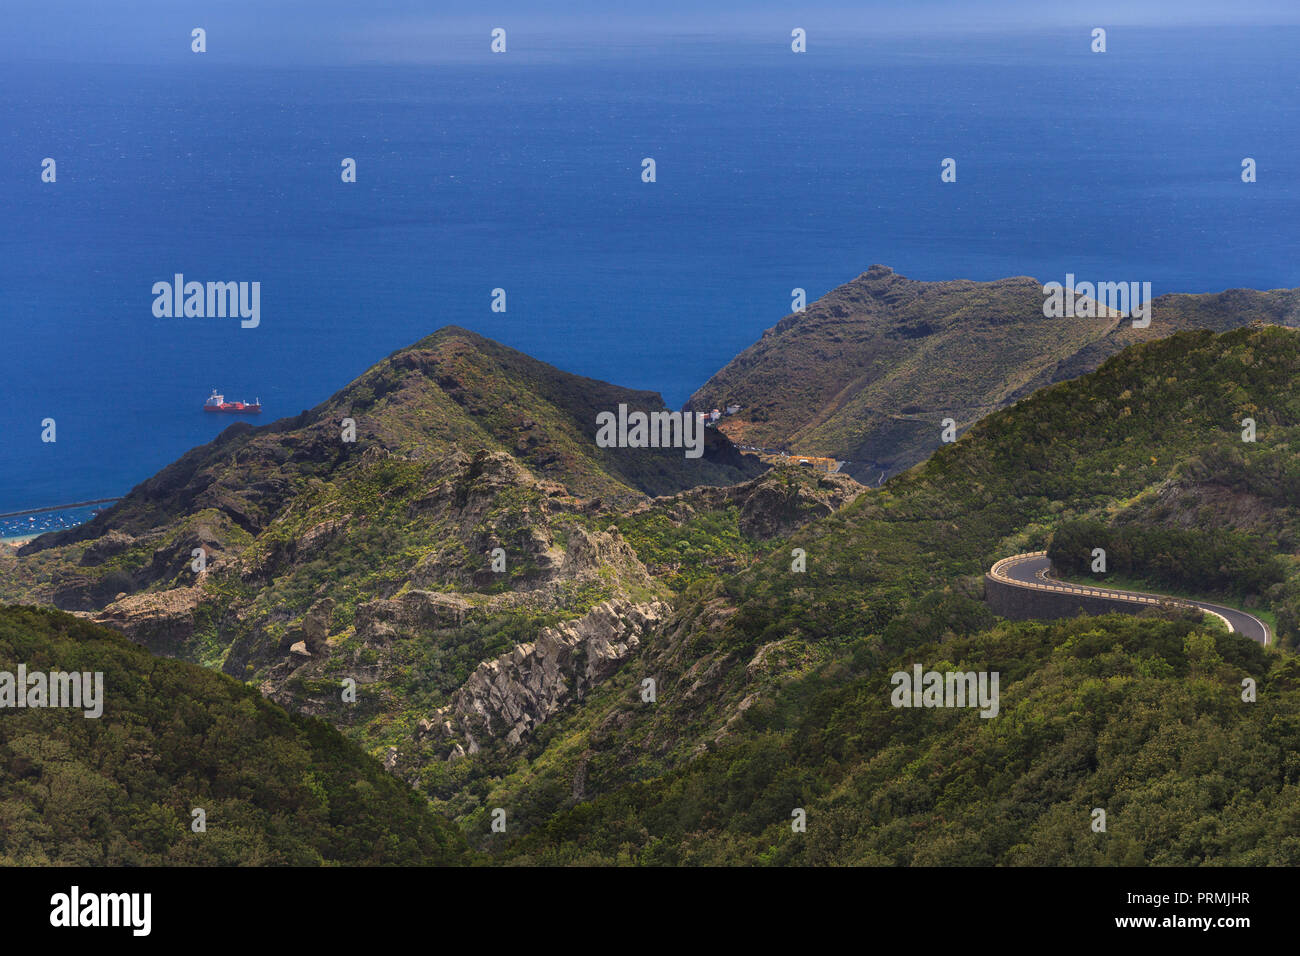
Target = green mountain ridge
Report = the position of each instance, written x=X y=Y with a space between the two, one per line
x=1140 y=718
x=767 y=614
x=452 y=388
x=747 y=663
x=275 y=788
x=325 y=561
x=869 y=372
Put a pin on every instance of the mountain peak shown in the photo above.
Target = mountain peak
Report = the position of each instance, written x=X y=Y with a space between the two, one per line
x=453 y=392
x=869 y=371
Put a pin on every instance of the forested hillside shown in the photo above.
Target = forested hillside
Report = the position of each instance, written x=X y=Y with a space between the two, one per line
x=667 y=679
x=745 y=659
x=121 y=789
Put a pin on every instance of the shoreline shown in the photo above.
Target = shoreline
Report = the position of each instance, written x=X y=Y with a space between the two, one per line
x=16 y=532
x=51 y=509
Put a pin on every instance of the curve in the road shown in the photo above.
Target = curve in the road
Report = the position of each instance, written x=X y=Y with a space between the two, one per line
x=1031 y=570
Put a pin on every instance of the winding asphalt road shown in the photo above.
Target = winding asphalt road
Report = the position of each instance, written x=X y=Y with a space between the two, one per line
x=1030 y=570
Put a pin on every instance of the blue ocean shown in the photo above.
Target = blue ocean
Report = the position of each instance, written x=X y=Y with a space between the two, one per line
x=774 y=170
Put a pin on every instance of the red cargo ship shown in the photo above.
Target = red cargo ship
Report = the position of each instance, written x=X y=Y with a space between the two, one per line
x=218 y=403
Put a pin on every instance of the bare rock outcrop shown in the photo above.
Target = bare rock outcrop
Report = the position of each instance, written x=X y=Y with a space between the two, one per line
x=163 y=621
x=505 y=698
x=770 y=506
x=379 y=621
x=101 y=549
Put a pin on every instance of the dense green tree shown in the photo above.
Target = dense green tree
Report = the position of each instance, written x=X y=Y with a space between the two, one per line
x=276 y=788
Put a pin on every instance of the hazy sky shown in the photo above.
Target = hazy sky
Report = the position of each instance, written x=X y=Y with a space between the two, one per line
x=271 y=31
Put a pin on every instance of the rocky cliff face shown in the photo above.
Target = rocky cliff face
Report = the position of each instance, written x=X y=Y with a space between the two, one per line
x=163 y=621
x=442 y=614
x=506 y=698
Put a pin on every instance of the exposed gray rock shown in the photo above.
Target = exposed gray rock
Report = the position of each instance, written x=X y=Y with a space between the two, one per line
x=379 y=620
x=101 y=549
x=505 y=698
